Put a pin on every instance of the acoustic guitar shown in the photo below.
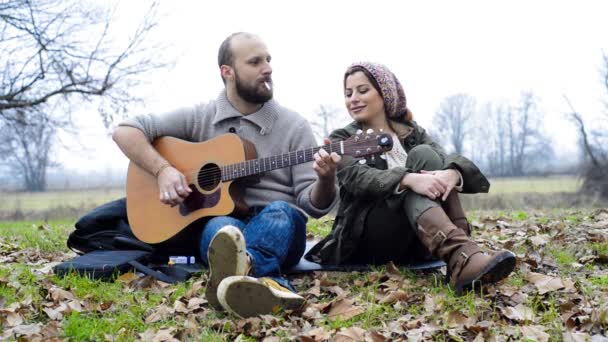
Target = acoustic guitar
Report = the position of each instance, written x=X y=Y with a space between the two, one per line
x=210 y=168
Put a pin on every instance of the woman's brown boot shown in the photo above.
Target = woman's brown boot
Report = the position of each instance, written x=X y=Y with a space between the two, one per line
x=454 y=210
x=467 y=263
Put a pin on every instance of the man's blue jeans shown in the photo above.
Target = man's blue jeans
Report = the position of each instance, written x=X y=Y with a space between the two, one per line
x=275 y=236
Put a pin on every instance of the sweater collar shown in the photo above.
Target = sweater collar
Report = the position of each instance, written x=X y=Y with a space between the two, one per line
x=264 y=118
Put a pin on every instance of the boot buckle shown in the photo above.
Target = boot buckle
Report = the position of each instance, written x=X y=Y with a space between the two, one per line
x=442 y=236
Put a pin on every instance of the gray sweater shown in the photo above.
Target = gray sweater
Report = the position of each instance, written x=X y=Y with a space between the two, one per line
x=273 y=130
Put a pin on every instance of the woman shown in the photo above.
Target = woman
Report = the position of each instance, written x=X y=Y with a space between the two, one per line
x=403 y=205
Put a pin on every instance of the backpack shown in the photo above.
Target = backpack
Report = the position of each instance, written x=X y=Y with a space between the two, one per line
x=107 y=247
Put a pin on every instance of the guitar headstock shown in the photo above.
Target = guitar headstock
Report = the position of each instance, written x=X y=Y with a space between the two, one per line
x=367 y=143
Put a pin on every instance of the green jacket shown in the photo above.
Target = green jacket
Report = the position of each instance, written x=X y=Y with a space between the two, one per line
x=362 y=185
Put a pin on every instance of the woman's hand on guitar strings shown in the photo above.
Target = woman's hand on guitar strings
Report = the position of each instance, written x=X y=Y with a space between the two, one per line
x=172 y=186
x=325 y=164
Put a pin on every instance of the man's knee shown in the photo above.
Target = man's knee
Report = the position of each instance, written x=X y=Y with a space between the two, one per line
x=281 y=206
x=219 y=222
x=424 y=157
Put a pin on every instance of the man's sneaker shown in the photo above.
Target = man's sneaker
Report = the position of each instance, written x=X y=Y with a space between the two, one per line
x=248 y=296
x=227 y=257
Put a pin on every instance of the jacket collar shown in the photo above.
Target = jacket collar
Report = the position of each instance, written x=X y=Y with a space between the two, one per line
x=263 y=118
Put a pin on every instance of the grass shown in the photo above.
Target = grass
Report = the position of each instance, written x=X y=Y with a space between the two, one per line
x=124 y=319
x=31 y=201
x=600 y=248
x=534 y=184
x=44 y=236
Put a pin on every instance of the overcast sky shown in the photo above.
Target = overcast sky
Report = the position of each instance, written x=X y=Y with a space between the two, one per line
x=488 y=49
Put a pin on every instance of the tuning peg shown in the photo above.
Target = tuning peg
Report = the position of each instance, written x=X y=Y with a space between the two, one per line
x=359 y=131
x=381 y=130
x=361 y=161
x=369 y=131
x=373 y=158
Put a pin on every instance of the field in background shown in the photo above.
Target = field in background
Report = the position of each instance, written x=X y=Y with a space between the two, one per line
x=505 y=193
x=548 y=184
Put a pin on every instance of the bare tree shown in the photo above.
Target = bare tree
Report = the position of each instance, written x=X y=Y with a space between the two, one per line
x=58 y=49
x=593 y=146
x=27 y=142
x=512 y=139
x=453 y=120
x=326 y=121
x=491 y=139
x=55 y=56
x=529 y=147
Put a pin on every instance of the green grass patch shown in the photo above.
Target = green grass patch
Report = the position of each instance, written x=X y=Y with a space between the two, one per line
x=564 y=257
x=45 y=236
x=600 y=281
x=600 y=248
x=21 y=284
x=319 y=227
x=520 y=215
x=123 y=326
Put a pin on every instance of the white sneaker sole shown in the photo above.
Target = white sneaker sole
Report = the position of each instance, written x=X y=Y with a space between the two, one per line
x=248 y=296
x=227 y=257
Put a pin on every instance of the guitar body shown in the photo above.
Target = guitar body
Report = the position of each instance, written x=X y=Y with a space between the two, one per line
x=152 y=221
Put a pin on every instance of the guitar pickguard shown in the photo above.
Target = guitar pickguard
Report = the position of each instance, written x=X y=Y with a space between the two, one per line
x=197 y=200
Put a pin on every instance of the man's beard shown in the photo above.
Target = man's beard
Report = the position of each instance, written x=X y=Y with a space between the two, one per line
x=252 y=94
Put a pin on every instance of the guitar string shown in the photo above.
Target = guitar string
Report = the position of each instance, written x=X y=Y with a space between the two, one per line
x=216 y=173
x=201 y=176
x=292 y=153
x=216 y=170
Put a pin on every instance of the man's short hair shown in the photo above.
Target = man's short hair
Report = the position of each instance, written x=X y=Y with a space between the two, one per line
x=225 y=55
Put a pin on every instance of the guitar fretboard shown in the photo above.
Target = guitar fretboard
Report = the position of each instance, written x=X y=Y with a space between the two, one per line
x=255 y=166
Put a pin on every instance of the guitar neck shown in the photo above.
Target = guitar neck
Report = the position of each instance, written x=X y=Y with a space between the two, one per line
x=260 y=165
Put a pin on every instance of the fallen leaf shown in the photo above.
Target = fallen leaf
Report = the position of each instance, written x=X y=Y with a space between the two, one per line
x=456 y=319
x=352 y=334
x=127 y=277
x=162 y=312
x=12 y=318
x=318 y=334
x=193 y=292
x=179 y=306
x=53 y=314
x=393 y=297
x=338 y=291
x=27 y=330
x=375 y=336
x=392 y=269
x=344 y=309
x=518 y=313
x=58 y=294
x=535 y=333
x=544 y=283
x=163 y=335
x=574 y=336
x=48 y=268
x=539 y=240
x=196 y=303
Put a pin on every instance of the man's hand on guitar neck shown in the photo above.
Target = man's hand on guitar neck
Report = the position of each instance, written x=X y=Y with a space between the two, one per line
x=172 y=185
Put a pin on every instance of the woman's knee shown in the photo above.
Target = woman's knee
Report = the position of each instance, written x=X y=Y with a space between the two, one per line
x=424 y=157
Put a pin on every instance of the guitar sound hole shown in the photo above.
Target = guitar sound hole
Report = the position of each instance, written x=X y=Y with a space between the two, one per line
x=209 y=177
